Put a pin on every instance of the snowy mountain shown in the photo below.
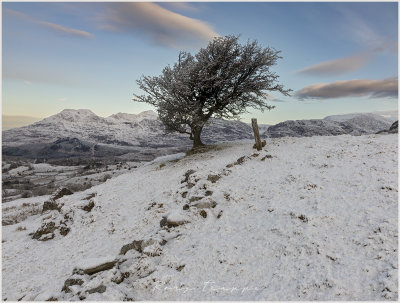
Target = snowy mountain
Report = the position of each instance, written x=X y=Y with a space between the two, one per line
x=353 y=124
x=142 y=136
x=305 y=219
x=386 y=115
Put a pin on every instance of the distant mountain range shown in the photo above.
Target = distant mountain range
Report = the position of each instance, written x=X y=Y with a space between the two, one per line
x=352 y=124
x=81 y=133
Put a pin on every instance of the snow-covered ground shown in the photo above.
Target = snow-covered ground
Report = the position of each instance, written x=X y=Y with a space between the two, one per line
x=303 y=219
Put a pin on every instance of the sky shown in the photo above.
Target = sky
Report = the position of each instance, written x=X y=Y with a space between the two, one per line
x=337 y=57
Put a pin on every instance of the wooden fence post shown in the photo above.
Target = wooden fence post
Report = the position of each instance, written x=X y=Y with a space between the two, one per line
x=256 y=133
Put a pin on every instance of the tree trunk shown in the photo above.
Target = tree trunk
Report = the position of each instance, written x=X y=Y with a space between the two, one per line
x=196 y=137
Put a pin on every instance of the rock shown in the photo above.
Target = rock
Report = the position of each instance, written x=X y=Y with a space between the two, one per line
x=64 y=230
x=46 y=237
x=187 y=174
x=213 y=178
x=100 y=289
x=266 y=157
x=208 y=193
x=61 y=192
x=219 y=214
x=203 y=213
x=184 y=194
x=5 y=222
x=205 y=204
x=50 y=205
x=136 y=245
x=394 y=128
x=179 y=268
x=98 y=268
x=239 y=161
x=70 y=282
x=186 y=207
x=46 y=228
x=172 y=222
x=193 y=199
x=89 y=206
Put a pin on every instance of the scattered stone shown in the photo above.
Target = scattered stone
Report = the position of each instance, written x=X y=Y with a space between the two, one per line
x=213 y=178
x=88 y=207
x=187 y=175
x=184 y=194
x=270 y=210
x=136 y=245
x=5 y=222
x=179 y=268
x=50 y=205
x=61 y=192
x=229 y=165
x=46 y=228
x=163 y=222
x=152 y=205
x=171 y=223
x=208 y=193
x=186 y=207
x=70 y=282
x=255 y=155
x=303 y=218
x=331 y=258
x=203 y=213
x=46 y=237
x=52 y=299
x=227 y=196
x=162 y=165
x=100 y=289
x=90 y=196
x=95 y=269
x=219 y=214
x=64 y=230
x=193 y=199
x=206 y=204
x=266 y=157
x=240 y=160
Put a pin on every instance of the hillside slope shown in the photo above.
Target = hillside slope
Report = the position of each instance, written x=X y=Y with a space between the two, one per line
x=304 y=219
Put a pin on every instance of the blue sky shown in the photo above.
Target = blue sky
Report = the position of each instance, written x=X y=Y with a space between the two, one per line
x=337 y=57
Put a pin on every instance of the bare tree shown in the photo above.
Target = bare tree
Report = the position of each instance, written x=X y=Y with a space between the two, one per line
x=221 y=81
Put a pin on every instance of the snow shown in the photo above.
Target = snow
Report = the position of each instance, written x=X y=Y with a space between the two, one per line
x=18 y=170
x=303 y=219
x=166 y=158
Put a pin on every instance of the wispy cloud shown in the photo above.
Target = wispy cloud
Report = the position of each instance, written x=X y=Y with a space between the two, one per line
x=62 y=99
x=53 y=26
x=348 y=64
x=159 y=24
x=182 y=6
x=338 y=66
x=351 y=88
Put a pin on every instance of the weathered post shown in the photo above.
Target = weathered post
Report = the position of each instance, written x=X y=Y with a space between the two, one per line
x=256 y=133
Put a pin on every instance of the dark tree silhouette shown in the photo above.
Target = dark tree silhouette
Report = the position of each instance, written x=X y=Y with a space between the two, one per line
x=221 y=81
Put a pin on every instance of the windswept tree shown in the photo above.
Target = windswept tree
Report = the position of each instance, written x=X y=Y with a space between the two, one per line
x=220 y=81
